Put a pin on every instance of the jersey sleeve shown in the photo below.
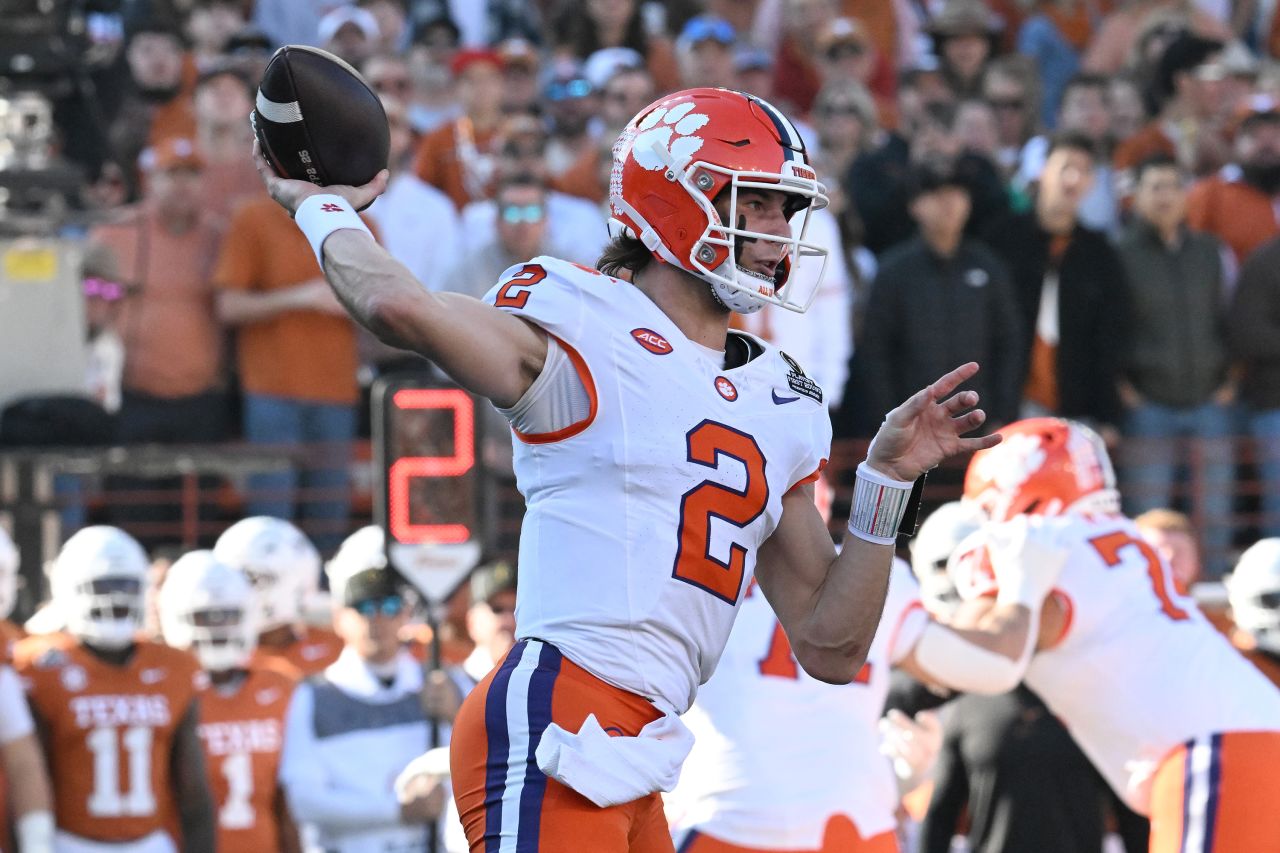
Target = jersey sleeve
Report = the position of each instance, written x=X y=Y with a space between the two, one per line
x=548 y=292
x=15 y=716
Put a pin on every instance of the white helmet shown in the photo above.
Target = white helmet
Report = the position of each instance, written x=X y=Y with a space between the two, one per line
x=98 y=585
x=1254 y=591
x=933 y=545
x=280 y=563
x=9 y=563
x=208 y=607
x=363 y=550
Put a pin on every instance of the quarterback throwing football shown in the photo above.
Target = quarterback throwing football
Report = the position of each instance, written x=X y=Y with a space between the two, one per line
x=663 y=458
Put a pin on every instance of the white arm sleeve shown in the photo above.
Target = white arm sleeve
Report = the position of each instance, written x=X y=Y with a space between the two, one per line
x=556 y=400
x=15 y=716
x=961 y=665
x=313 y=795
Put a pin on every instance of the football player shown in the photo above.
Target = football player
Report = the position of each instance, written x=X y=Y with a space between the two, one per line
x=284 y=569
x=208 y=608
x=1178 y=723
x=1253 y=588
x=664 y=461
x=116 y=713
x=10 y=633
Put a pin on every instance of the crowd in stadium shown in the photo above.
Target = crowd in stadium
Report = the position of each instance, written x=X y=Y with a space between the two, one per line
x=1079 y=195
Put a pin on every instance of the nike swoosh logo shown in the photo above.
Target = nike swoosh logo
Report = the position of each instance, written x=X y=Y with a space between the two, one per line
x=782 y=401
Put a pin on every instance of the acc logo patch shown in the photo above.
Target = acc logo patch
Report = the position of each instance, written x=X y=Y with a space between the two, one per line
x=726 y=389
x=800 y=383
x=652 y=341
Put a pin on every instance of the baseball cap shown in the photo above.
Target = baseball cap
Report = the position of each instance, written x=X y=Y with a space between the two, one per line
x=369 y=584
x=464 y=59
x=490 y=579
x=842 y=31
x=518 y=53
x=1258 y=109
x=708 y=28
x=170 y=153
x=608 y=61
x=343 y=15
x=752 y=59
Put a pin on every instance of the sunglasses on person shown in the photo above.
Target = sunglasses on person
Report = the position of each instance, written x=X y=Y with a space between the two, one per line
x=399 y=85
x=514 y=214
x=569 y=90
x=387 y=605
x=838 y=110
x=107 y=291
x=848 y=50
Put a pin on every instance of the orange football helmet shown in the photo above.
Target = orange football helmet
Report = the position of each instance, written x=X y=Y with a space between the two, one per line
x=1044 y=466
x=681 y=152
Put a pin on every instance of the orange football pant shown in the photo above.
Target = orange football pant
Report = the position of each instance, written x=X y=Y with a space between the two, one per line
x=504 y=800
x=840 y=836
x=1216 y=794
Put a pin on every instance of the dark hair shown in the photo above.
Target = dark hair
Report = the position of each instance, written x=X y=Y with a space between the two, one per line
x=624 y=254
x=520 y=179
x=926 y=179
x=1159 y=160
x=1072 y=140
x=1085 y=80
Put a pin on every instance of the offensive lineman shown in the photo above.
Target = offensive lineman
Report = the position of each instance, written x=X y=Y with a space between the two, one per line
x=663 y=459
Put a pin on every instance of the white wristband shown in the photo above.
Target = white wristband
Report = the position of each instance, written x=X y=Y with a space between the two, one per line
x=879 y=503
x=320 y=215
x=34 y=831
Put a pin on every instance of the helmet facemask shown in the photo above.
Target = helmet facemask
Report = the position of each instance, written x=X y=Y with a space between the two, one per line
x=106 y=611
x=222 y=638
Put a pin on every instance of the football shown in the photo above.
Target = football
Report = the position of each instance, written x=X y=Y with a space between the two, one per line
x=317 y=119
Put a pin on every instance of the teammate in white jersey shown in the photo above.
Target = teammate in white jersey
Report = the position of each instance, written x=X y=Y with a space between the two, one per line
x=664 y=461
x=1179 y=724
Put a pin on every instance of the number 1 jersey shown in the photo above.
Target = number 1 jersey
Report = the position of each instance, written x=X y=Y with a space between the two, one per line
x=644 y=517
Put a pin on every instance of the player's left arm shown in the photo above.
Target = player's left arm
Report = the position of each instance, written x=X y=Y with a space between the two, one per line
x=830 y=604
x=287 y=827
x=191 y=785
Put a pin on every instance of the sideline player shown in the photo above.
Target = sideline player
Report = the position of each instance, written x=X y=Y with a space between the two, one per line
x=1254 y=591
x=1177 y=722
x=116 y=714
x=663 y=459
x=207 y=608
x=284 y=569
x=10 y=561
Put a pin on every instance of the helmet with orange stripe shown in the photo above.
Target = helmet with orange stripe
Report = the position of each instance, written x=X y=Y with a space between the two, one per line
x=677 y=157
x=1044 y=466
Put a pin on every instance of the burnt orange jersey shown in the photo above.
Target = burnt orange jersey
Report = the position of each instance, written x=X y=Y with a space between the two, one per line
x=312 y=651
x=242 y=733
x=108 y=732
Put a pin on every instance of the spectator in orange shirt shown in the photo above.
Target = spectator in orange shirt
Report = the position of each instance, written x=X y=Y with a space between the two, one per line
x=296 y=352
x=457 y=157
x=1238 y=204
x=223 y=97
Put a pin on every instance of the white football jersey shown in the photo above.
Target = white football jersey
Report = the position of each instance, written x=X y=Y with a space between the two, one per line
x=1139 y=670
x=776 y=752
x=643 y=519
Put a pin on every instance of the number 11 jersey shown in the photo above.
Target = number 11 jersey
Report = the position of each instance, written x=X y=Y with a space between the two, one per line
x=644 y=517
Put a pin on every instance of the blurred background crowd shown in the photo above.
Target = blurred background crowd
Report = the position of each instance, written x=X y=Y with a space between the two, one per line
x=1079 y=194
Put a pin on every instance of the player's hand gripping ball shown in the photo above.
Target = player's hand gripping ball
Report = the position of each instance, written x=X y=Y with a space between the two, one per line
x=317 y=120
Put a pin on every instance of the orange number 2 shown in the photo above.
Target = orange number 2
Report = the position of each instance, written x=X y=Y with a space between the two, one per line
x=529 y=275
x=1109 y=547
x=707 y=442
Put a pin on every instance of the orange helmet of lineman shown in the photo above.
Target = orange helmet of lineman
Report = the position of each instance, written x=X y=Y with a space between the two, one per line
x=1044 y=466
x=679 y=154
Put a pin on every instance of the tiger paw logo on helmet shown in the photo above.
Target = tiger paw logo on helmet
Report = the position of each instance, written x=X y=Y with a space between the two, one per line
x=658 y=128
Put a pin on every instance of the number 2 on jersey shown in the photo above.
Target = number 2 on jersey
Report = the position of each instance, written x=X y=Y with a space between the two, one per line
x=706 y=444
x=1109 y=547
x=510 y=295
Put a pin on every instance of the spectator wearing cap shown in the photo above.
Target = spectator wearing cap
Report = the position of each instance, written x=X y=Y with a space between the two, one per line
x=965 y=36
x=520 y=64
x=627 y=91
x=846 y=126
x=223 y=97
x=350 y=33
x=155 y=259
x=847 y=55
x=572 y=103
x=1010 y=87
x=457 y=157
x=581 y=29
x=1070 y=290
x=706 y=52
x=574 y=226
x=1239 y=204
x=1176 y=382
x=1188 y=91
x=937 y=298
x=753 y=70
x=351 y=730
x=410 y=208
